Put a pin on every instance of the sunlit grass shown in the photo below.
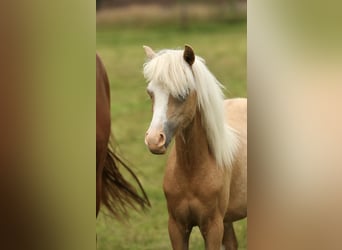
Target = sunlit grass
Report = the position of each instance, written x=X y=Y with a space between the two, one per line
x=223 y=46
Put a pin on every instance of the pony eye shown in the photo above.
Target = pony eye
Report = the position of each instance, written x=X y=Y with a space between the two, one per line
x=181 y=98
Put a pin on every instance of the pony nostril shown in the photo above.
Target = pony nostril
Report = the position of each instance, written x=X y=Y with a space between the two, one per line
x=155 y=139
x=161 y=139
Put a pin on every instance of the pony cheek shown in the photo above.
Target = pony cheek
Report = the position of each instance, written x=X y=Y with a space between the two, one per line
x=170 y=128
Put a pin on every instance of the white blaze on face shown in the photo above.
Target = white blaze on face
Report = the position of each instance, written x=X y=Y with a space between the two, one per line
x=161 y=98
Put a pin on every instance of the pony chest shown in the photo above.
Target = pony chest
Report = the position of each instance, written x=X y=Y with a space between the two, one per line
x=191 y=198
x=190 y=208
x=202 y=182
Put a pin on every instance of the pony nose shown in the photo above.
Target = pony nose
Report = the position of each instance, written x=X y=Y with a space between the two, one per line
x=155 y=140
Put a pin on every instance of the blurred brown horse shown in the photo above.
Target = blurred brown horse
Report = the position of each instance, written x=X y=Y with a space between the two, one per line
x=112 y=190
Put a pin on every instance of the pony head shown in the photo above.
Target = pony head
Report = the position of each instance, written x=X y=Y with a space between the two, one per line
x=172 y=91
x=179 y=84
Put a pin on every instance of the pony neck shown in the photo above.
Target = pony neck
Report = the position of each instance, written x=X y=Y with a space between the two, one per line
x=191 y=143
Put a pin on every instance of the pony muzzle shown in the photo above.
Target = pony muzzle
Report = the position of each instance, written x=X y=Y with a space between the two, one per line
x=155 y=141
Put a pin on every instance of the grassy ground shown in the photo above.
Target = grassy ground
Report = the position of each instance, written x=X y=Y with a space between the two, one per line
x=223 y=45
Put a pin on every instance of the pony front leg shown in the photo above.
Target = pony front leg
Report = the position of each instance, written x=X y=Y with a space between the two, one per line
x=229 y=238
x=212 y=233
x=179 y=235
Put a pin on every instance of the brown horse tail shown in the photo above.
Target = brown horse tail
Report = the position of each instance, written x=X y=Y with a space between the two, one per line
x=118 y=193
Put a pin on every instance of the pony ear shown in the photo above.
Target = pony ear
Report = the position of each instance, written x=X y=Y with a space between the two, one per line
x=149 y=52
x=189 y=55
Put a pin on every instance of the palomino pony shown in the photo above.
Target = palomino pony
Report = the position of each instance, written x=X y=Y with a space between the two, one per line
x=112 y=190
x=205 y=180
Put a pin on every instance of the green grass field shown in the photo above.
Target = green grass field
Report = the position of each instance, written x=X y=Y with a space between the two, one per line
x=223 y=46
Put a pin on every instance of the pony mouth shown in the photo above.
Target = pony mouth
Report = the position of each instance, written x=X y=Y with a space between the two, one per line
x=158 y=151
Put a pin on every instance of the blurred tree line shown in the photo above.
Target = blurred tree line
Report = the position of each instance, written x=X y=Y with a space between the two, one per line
x=117 y=3
x=224 y=10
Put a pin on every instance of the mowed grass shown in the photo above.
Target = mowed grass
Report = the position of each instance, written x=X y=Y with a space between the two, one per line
x=223 y=46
